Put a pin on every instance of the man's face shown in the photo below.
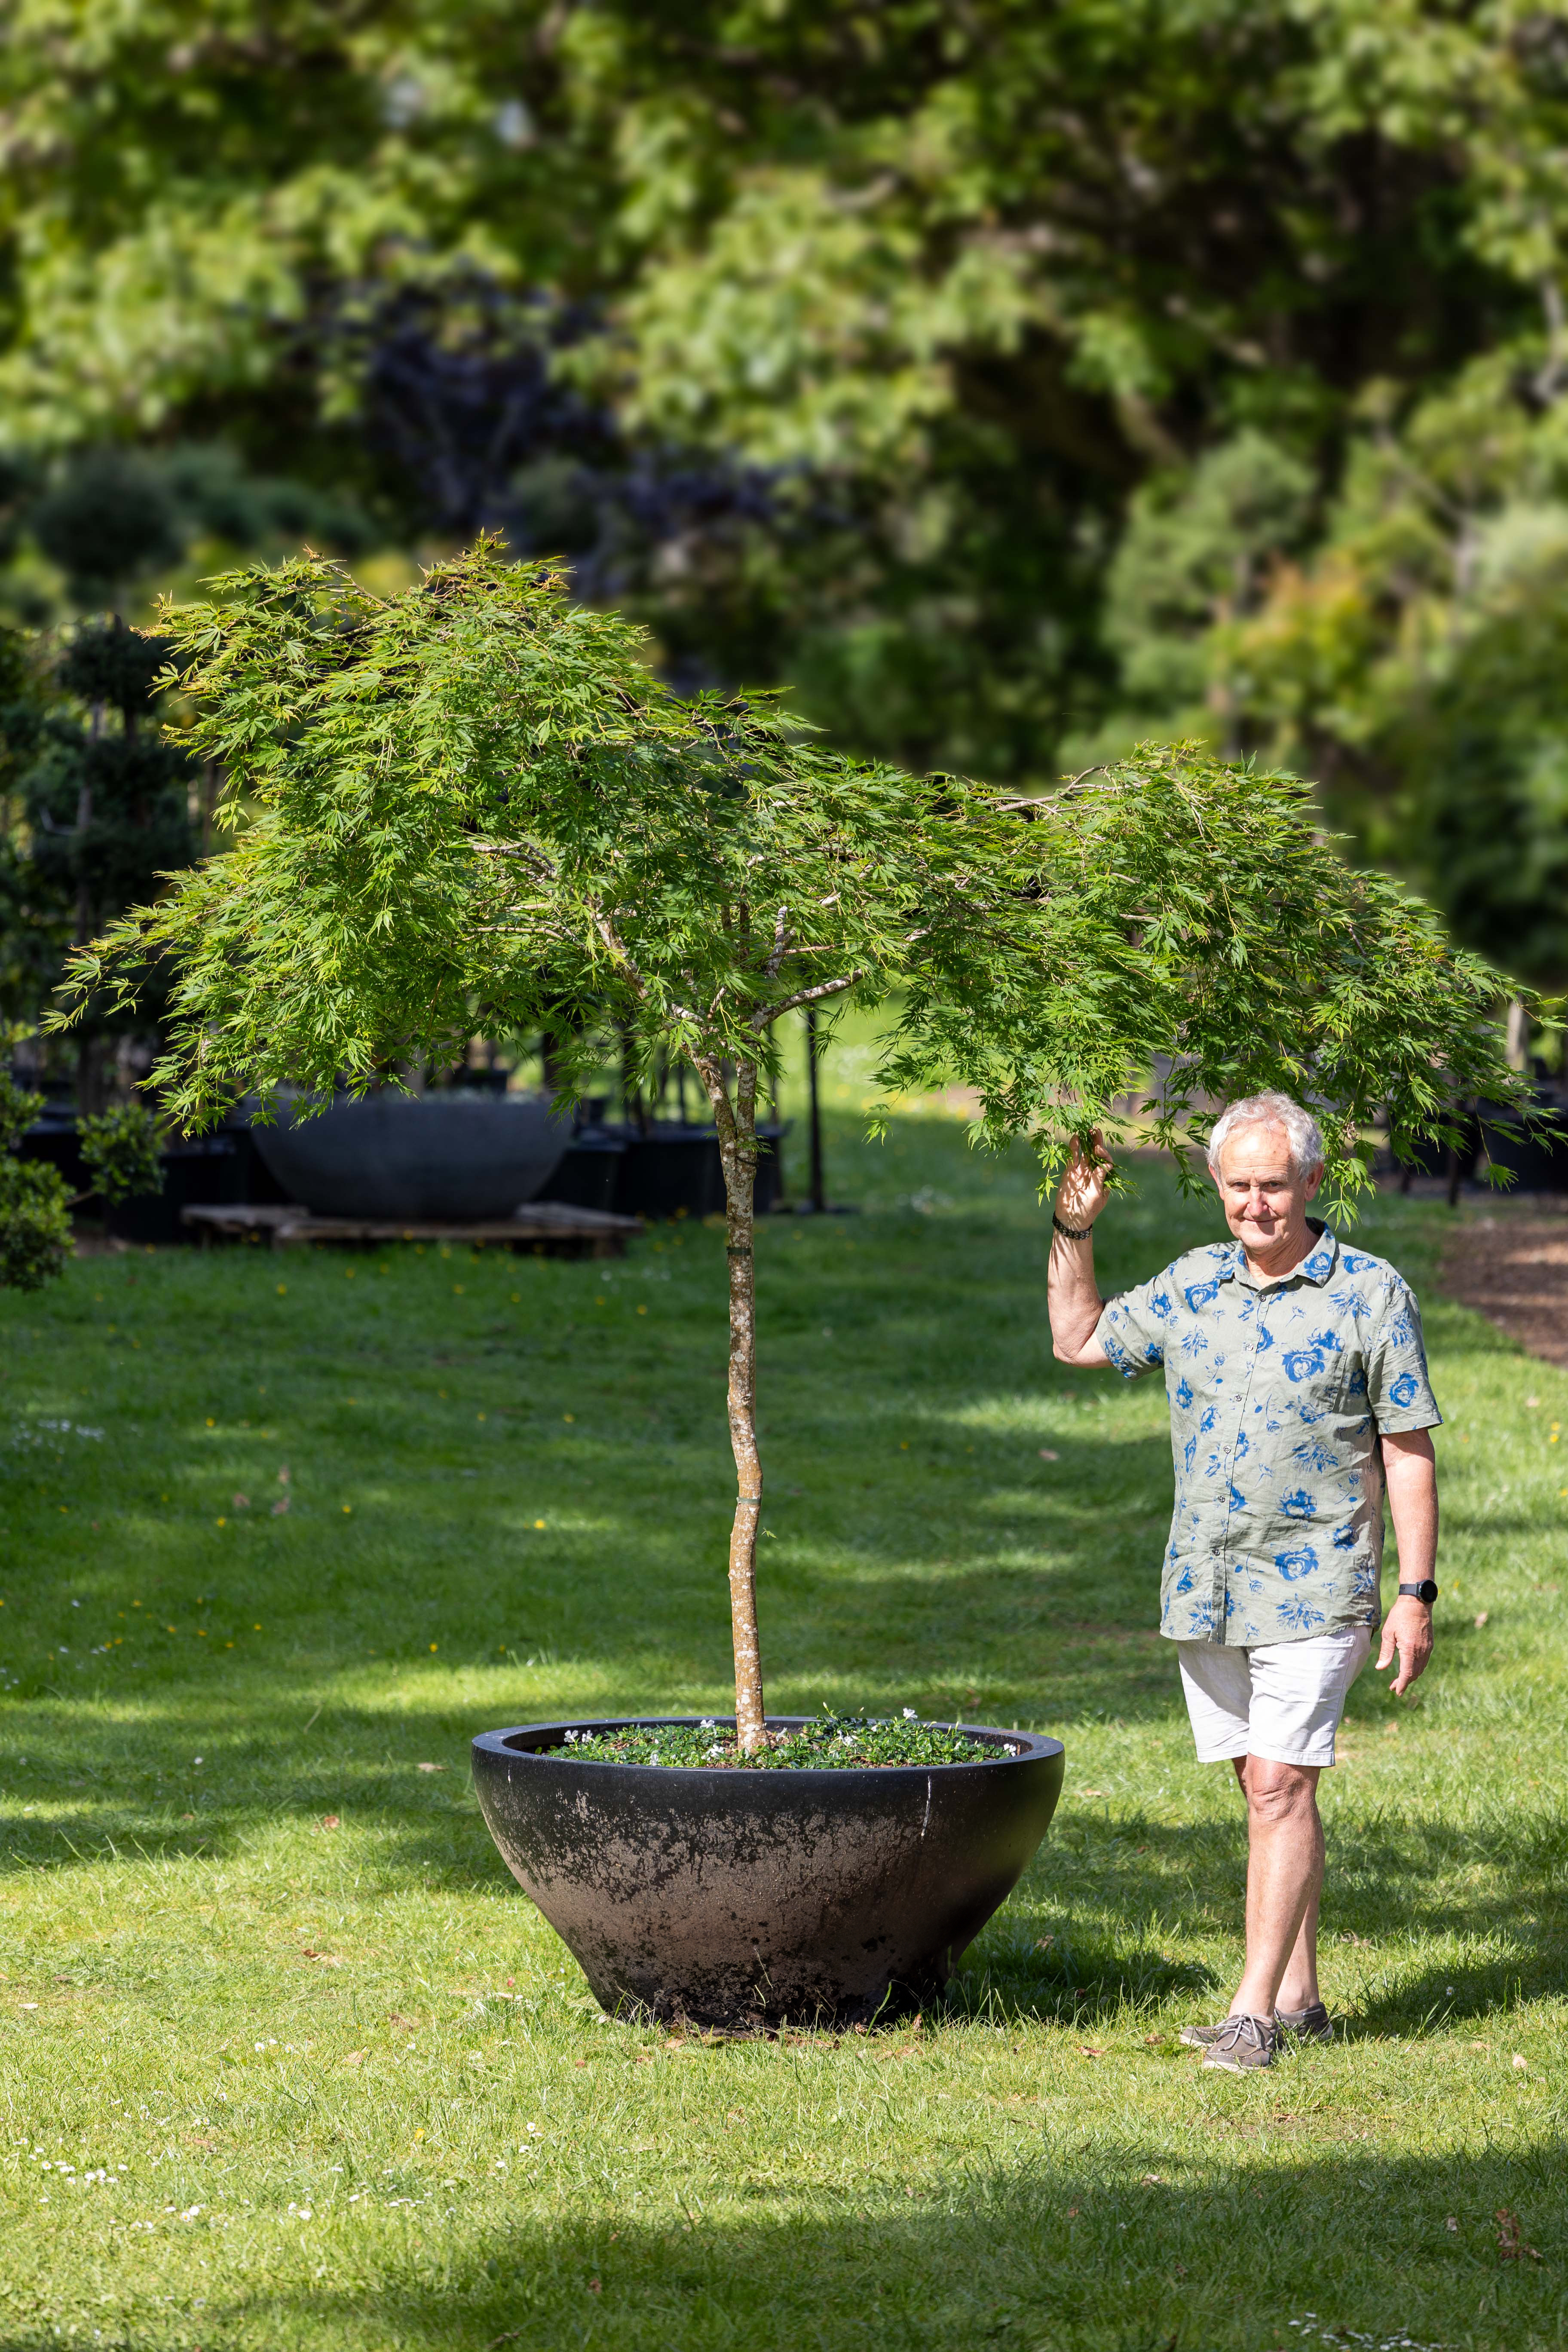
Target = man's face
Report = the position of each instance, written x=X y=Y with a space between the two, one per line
x=1265 y=1201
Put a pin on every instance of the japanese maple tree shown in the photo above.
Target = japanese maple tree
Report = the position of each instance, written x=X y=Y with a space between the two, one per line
x=478 y=792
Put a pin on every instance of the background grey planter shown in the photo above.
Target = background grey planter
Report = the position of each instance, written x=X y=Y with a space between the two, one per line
x=445 y=1156
x=741 y=1899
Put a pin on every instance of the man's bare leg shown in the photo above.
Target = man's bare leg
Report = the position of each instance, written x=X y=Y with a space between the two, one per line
x=1284 y=1879
x=1298 y=1988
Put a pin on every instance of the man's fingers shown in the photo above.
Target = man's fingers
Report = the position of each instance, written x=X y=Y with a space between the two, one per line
x=1413 y=1653
x=1385 y=1655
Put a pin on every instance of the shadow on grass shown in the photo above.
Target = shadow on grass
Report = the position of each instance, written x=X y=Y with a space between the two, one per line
x=1064 y=1947
x=1078 y=1941
x=1224 y=2242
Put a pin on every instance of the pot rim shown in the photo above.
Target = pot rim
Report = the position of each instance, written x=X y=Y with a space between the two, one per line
x=1025 y=1747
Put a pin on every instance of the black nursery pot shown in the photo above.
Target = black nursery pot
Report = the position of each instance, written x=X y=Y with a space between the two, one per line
x=744 y=1899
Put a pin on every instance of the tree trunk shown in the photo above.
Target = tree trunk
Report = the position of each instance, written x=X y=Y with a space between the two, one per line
x=738 y=1147
x=1518 y=1046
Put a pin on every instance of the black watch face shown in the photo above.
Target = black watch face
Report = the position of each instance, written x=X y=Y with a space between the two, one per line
x=1426 y=1591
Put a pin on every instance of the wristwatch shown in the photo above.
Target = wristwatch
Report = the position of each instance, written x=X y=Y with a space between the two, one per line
x=1426 y=1591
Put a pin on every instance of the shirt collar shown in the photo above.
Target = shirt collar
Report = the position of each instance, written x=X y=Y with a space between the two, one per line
x=1316 y=1268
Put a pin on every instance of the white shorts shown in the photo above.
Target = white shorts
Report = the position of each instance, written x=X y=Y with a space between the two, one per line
x=1282 y=1700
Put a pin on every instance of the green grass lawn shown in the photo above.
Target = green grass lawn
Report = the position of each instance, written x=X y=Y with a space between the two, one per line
x=286 y=2059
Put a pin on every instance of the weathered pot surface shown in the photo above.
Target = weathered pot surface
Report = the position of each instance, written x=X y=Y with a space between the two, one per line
x=741 y=1899
x=447 y=1155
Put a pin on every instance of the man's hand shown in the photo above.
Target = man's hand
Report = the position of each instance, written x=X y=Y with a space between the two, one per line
x=1407 y=1628
x=1083 y=1190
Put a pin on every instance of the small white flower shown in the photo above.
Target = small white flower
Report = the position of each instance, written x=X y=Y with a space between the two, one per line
x=910 y=1715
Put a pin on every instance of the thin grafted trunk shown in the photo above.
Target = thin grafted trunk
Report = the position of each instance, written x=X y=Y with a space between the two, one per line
x=737 y=1126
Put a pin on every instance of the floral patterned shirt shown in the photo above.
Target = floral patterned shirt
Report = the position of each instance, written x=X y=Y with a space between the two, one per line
x=1279 y=1393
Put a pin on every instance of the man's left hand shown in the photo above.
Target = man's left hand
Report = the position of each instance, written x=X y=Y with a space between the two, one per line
x=1407 y=1628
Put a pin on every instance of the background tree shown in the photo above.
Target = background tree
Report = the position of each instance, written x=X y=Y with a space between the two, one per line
x=1413 y=659
x=35 y=922
x=476 y=790
x=838 y=344
x=960 y=275
x=104 y=804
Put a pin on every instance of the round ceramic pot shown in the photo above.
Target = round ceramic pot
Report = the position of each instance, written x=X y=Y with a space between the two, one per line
x=743 y=1899
x=440 y=1158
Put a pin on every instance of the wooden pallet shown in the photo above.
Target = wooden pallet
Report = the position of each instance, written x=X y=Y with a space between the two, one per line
x=548 y=1228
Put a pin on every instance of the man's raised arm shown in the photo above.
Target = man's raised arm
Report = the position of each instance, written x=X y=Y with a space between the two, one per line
x=1073 y=1297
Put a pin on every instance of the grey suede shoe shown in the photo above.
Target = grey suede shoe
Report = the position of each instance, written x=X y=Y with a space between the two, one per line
x=1243 y=2045
x=1312 y=2025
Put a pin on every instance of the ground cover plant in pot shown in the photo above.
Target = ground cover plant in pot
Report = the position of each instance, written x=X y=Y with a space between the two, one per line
x=476 y=795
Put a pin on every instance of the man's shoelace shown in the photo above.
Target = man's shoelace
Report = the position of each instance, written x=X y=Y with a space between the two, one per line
x=1244 y=2029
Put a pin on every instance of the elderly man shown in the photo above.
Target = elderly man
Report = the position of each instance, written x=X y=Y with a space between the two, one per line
x=1297 y=1390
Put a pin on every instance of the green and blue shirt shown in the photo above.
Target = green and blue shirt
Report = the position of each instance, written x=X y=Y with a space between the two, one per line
x=1279 y=1393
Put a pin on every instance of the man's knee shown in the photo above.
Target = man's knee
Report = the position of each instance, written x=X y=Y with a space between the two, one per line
x=1279 y=1792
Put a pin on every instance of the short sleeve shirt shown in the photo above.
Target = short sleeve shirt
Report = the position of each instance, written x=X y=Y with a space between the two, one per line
x=1279 y=1393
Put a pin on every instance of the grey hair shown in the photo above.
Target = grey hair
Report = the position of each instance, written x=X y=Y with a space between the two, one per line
x=1301 y=1129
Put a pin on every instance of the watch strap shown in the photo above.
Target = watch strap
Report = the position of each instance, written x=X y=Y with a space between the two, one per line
x=1426 y=1591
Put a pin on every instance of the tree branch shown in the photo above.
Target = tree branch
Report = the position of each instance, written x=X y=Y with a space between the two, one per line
x=523 y=851
x=765 y=1013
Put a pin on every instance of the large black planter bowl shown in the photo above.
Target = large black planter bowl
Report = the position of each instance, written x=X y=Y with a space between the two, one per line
x=445 y=1156
x=743 y=1899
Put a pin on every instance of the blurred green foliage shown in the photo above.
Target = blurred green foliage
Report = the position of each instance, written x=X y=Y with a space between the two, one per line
x=962 y=279
x=35 y=1205
x=97 y=805
x=120 y=1147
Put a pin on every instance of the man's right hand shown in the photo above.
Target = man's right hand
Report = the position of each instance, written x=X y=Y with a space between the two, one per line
x=1083 y=1190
